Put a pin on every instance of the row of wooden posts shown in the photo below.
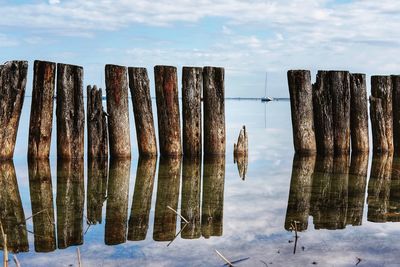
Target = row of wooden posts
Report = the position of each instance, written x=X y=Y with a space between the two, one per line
x=332 y=113
x=111 y=128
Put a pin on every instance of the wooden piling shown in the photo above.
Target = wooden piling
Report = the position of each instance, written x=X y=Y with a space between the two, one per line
x=96 y=124
x=214 y=110
x=41 y=120
x=396 y=113
x=169 y=128
x=241 y=148
x=381 y=87
x=139 y=85
x=323 y=117
x=118 y=111
x=378 y=125
x=70 y=112
x=301 y=103
x=192 y=85
x=12 y=91
x=359 y=113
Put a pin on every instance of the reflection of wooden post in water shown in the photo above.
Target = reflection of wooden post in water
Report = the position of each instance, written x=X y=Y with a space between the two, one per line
x=11 y=211
x=213 y=196
x=394 y=199
x=41 y=121
x=96 y=189
x=12 y=90
x=396 y=113
x=300 y=192
x=70 y=112
x=379 y=187
x=70 y=201
x=118 y=111
x=168 y=115
x=169 y=172
x=214 y=111
x=141 y=203
x=357 y=184
x=41 y=193
x=242 y=164
x=190 y=202
x=141 y=100
x=117 y=201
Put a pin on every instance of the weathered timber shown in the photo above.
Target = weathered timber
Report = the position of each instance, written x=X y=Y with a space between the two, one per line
x=141 y=202
x=394 y=198
x=140 y=91
x=379 y=128
x=301 y=104
x=190 y=201
x=96 y=189
x=96 y=124
x=12 y=91
x=298 y=207
x=340 y=89
x=381 y=87
x=41 y=193
x=396 y=113
x=214 y=111
x=118 y=111
x=192 y=85
x=70 y=200
x=41 y=120
x=323 y=116
x=359 y=113
x=241 y=148
x=379 y=187
x=169 y=172
x=357 y=184
x=12 y=215
x=70 y=112
x=117 y=201
x=212 y=209
x=169 y=128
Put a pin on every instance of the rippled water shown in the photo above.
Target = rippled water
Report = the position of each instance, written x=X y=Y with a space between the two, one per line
x=345 y=209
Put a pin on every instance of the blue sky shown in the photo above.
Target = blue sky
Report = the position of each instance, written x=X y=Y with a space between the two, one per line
x=248 y=38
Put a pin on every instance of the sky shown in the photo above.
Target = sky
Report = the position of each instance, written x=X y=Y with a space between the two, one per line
x=248 y=38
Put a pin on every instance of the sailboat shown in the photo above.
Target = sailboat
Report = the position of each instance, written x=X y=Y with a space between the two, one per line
x=266 y=98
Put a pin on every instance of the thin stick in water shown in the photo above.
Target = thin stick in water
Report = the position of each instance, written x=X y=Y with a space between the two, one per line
x=79 y=257
x=183 y=218
x=16 y=261
x=225 y=259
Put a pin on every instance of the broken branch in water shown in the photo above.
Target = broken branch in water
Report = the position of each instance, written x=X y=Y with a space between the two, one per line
x=225 y=259
x=16 y=261
x=186 y=224
x=183 y=218
x=78 y=252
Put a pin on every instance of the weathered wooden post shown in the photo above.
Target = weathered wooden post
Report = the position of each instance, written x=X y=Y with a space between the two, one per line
x=70 y=112
x=301 y=103
x=378 y=125
x=96 y=124
x=41 y=121
x=140 y=91
x=141 y=202
x=117 y=201
x=241 y=148
x=169 y=128
x=396 y=113
x=192 y=85
x=41 y=193
x=323 y=117
x=97 y=173
x=214 y=110
x=381 y=87
x=118 y=111
x=12 y=90
x=359 y=113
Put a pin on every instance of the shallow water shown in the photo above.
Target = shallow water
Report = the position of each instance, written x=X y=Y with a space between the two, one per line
x=344 y=209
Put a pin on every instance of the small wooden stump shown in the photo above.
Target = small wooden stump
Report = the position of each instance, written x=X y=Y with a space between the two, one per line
x=241 y=148
x=214 y=111
x=396 y=113
x=140 y=91
x=359 y=113
x=380 y=133
x=41 y=121
x=381 y=87
x=192 y=85
x=96 y=124
x=118 y=111
x=12 y=91
x=301 y=103
x=169 y=127
x=70 y=112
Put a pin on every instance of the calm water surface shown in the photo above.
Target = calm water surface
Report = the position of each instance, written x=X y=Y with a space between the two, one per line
x=345 y=209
